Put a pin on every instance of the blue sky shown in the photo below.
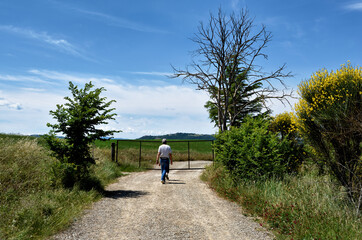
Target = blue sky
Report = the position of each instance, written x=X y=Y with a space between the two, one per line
x=128 y=47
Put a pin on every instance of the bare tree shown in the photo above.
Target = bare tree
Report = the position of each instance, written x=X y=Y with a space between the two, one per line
x=228 y=45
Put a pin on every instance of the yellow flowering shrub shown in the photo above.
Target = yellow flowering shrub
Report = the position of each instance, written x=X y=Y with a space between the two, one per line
x=285 y=123
x=327 y=90
x=329 y=115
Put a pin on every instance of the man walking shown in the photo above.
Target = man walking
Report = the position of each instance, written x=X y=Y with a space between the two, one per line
x=164 y=157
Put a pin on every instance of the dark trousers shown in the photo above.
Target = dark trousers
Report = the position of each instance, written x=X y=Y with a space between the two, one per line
x=165 y=167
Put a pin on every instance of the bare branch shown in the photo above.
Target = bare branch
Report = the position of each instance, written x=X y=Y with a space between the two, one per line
x=229 y=47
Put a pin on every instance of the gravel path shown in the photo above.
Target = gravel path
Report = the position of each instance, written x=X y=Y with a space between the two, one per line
x=138 y=206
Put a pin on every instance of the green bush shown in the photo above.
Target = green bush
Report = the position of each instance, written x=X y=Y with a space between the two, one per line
x=63 y=174
x=329 y=117
x=66 y=175
x=285 y=126
x=252 y=151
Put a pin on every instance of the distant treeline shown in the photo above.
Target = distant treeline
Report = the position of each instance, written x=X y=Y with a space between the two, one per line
x=188 y=136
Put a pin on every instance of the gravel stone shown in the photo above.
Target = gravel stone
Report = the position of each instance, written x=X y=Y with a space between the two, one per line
x=138 y=206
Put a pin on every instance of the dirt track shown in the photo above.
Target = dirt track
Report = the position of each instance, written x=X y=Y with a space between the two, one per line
x=138 y=206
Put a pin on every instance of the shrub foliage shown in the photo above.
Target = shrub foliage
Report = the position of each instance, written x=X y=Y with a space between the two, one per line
x=284 y=124
x=252 y=151
x=329 y=117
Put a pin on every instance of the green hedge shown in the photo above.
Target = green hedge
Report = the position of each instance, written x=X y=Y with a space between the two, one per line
x=252 y=151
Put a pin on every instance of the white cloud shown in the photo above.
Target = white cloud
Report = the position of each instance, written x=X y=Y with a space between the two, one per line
x=137 y=126
x=53 y=75
x=4 y=103
x=157 y=101
x=354 y=6
x=164 y=74
x=57 y=43
x=34 y=114
x=21 y=78
x=286 y=105
x=34 y=89
x=146 y=110
x=141 y=109
x=68 y=77
x=120 y=22
x=110 y=19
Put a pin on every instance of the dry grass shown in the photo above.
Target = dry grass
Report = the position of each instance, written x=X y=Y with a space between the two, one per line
x=31 y=207
x=307 y=206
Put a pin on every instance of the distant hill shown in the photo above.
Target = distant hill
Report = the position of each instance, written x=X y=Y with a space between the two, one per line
x=180 y=136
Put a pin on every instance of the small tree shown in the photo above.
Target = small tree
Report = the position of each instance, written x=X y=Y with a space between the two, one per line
x=77 y=120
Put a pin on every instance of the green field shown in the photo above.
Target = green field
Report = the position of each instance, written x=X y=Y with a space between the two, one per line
x=129 y=151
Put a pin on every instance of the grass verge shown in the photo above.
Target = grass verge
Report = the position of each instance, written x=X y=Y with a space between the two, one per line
x=307 y=206
x=30 y=207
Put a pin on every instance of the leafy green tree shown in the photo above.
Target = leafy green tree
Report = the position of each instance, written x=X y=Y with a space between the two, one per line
x=242 y=100
x=77 y=120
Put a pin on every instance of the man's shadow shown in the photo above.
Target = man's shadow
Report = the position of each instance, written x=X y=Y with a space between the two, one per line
x=174 y=181
x=124 y=194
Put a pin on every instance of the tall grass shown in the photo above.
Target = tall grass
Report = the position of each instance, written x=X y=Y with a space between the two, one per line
x=31 y=207
x=307 y=206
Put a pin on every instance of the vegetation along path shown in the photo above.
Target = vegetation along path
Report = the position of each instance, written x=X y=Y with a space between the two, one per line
x=138 y=206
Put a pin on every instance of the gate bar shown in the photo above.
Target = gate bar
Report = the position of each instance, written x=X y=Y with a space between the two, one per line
x=140 y=153
x=139 y=162
x=117 y=153
x=188 y=151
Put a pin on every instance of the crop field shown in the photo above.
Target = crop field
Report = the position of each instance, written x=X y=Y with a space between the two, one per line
x=144 y=152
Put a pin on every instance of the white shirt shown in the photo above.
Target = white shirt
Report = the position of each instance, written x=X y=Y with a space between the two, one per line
x=164 y=151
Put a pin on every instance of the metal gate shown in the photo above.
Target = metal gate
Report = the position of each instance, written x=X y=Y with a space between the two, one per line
x=145 y=151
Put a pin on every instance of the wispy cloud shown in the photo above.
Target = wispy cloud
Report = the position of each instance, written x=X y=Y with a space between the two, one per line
x=68 y=77
x=164 y=74
x=59 y=44
x=354 y=6
x=34 y=89
x=54 y=75
x=21 y=78
x=294 y=29
x=110 y=19
x=120 y=22
x=9 y=105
